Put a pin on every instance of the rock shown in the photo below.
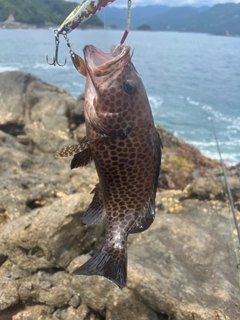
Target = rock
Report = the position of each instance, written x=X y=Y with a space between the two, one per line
x=41 y=112
x=81 y=313
x=206 y=188
x=184 y=264
x=213 y=186
x=233 y=174
x=8 y=293
x=181 y=162
x=38 y=312
x=77 y=114
x=182 y=267
x=23 y=188
x=49 y=237
x=127 y=305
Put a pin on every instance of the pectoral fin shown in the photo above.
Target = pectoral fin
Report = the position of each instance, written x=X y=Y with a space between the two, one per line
x=73 y=149
x=81 y=159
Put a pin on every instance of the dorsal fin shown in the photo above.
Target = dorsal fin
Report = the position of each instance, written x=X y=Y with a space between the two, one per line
x=95 y=212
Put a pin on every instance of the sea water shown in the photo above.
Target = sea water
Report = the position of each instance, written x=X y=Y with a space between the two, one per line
x=192 y=80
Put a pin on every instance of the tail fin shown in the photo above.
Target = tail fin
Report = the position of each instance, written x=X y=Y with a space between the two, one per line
x=111 y=264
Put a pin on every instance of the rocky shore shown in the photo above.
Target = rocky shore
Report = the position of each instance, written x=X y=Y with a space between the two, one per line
x=182 y=268
x=10 y=23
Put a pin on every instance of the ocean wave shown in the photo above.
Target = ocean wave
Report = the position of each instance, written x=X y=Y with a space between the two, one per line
x=200 y=144
x=218 y=116
x=193 y=102
x=8 y=68
x=155 y=102
x=230 y=159
x=46 y=66
x=233 y=124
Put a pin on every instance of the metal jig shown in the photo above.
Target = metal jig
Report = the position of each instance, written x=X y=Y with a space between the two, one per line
x=55 y=58
x=80 y=14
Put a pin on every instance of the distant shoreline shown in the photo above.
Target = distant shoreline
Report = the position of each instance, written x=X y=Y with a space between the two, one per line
x=16 y=25
x=24 y=26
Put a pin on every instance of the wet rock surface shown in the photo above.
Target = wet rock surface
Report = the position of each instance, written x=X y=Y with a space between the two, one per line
x=183 y=267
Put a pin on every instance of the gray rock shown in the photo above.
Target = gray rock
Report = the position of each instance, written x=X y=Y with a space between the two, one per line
x=22 y=186
x=40 y=113
x=183 y=267
x=212 y=186
x=206 y=188
x=8 y=293
x=127 y=305
x=49 y=237
x=37 y=312
x=185 y=264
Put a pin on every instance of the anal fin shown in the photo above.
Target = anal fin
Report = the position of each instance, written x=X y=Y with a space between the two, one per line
x=95 y=212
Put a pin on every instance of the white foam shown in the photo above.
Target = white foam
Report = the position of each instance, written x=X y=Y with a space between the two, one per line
x=155 y=102
x=193 y=102
x=46 y=66
x=8 y=68
x=218 y=116
x=230 y=159
x=201 y=144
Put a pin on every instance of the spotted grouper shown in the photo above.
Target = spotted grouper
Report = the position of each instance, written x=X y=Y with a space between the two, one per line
x=125 y=146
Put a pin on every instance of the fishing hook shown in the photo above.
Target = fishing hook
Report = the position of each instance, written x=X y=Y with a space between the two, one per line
x=55 y=58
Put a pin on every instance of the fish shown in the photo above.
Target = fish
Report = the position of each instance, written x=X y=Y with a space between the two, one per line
x=124 y=144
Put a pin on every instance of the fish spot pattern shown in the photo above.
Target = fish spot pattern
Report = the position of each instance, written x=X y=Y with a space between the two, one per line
x=121 y=128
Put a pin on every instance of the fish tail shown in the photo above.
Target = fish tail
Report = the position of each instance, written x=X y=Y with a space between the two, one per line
x=110 y=263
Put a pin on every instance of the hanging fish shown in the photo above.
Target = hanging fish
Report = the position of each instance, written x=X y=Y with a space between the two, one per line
x=125 y=146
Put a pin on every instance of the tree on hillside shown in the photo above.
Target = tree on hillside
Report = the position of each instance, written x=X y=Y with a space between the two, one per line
x=39 y=12
x=144 y=27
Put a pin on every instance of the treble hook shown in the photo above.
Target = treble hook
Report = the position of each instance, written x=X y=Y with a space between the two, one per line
x=55 y=58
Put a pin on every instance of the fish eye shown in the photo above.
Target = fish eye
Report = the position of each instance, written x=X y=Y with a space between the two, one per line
x=130 y=87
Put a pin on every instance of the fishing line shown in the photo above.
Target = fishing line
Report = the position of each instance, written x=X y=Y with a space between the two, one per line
x=128 y=23
x=229 y=194
x=105 y=33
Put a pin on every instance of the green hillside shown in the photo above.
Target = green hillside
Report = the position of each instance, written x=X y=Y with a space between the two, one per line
x=221 y=19
x=39 y=12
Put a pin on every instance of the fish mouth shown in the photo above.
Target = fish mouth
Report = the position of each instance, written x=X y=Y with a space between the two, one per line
x=100 y=63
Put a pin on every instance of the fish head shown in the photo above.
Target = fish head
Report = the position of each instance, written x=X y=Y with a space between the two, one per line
x=113 y=87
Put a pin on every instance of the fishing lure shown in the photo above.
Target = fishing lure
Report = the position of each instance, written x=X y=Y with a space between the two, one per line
x=80 y=14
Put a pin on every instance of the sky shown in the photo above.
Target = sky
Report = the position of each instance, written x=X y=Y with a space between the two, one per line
x=174 y=3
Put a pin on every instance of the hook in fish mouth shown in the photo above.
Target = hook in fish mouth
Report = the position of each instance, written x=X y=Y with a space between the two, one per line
x=95 y=58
